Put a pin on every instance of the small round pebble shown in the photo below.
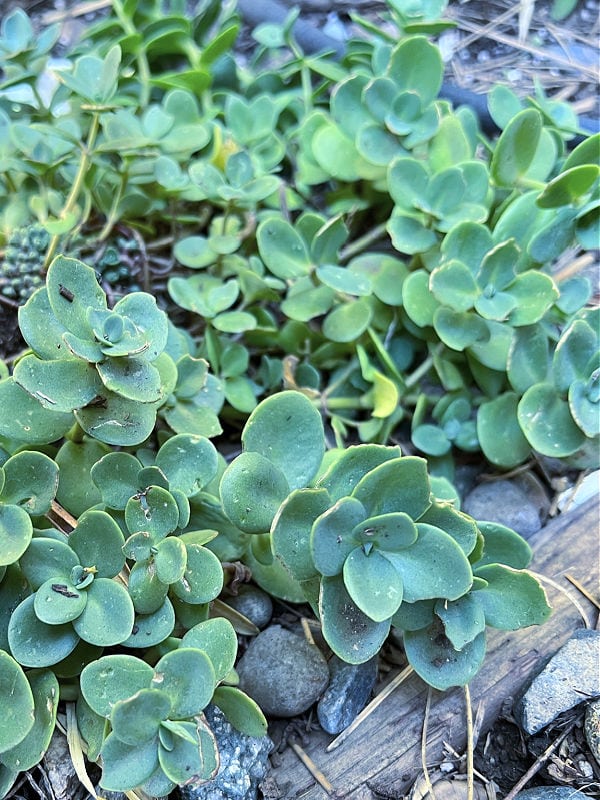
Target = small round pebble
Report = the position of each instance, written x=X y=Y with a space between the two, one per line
x=253 y=603
x=592 y=728
x=503 y=502
x=283 y=672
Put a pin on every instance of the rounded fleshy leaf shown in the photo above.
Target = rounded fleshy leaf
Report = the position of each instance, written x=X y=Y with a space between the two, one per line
x=19 y=712
x=136 y=719
x=47 y=558
x=499 y=432
x=112 y=678
x=463 y=619
x=147 y=592
x=40 y=328
x=30 y=481
x=16 y=530
x=433 y=567
x=569 y=186
x=331 y=538
x=291 y=530
x=270 y=574
x=117 y=420
x=189 y=462
x=203 y=577
x=401 y=484
x=433 y=657
x=502 y=545
x=98 y=542
x=115 y=475
x=56 y=603
x=584 y=406
x=192 y=754
x=35 y=644
x=107 y=618
x=352 y=635
x=347 y=321
x=170 y=559
x=154 y=511
x=151 y=629
x=252 y=489
x=282 y=249
x=132 y=378
x=352 y=464
x=76 y=490
x=516 y=148
x=142 y=310
x=25 y=420
x=287 y=429
x=413 y=616
x=30 y=750
x=512 y=599
x=546 y=421
x=393 y=531
x=373 y=584
x=126 y=766
x=461 y=527
x=72 y=289
x=241 y=711
x=58 y=385
x=187 y=677
x=217 y=638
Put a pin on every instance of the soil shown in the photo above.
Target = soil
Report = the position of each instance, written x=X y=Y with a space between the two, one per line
x=493 y=42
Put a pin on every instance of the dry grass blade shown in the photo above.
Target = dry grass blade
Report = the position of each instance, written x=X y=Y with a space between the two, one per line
x=525 y=16
x=76 y=750
x=426 y=775
x=313 y=769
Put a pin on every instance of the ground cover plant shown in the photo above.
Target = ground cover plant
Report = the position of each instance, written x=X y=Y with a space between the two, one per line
x=355 y=287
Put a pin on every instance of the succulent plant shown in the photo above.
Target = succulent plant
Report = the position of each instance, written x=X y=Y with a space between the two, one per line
x=21 y=269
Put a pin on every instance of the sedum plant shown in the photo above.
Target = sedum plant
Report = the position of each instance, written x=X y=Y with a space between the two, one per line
x=372 y=542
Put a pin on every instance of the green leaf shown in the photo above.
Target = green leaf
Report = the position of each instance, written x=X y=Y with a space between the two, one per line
x=30 y=750
x=416 y=65
x=347 y=321
x=16 y=531
x=217 y=638
x=569 y=186
x=117 y=420
x=35 y=644
x=47 y=558
x=583 y=403
x=433 y=567
x=252 y=489
x=115 y=475
x=188 y=461
x=187 y=676
x=373 y=584
x=461 y=527
x=287 y=429
x=331 y=539
x=72 y=289
x=30 y=481
x=282 y=249
x=18 y=702
x=453 y=285
x=431 y=439
x=499 y=431
x=512 y=599
x=352 y=635
x=76 y=490
x=409 y=234
x=170 y=560
x=501 y=545
x=419 y=302
x=98 y=541
x=241 y=711
x=391 y=531
x=151 y=629
x=516 y=148
x=154 y=510
x=291 y=530
x=112 y=678
x=58 y=385
x=132 y=378
x=463 y=619
x=56 y=603
x=546 y=421
x=351 y=464
x=401 y=484
x=126 y=766
x=25 y=420
x=194 y=755
x=107 y=618
x=459 y=330
x=528 y=358
x=202 y=581
x=433 y=657
x=534 y=293
x=136 y=719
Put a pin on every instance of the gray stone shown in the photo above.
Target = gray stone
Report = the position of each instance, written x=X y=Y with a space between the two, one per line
x=568 y=678
x=253 y=603
x=503 y=502
x=347 y=694
x=60 y=770
x=283 y=672
x=592 y=728
x=243 y=763
x=550 y=793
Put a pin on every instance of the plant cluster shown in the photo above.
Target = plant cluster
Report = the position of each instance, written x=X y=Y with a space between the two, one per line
x=356 y=264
